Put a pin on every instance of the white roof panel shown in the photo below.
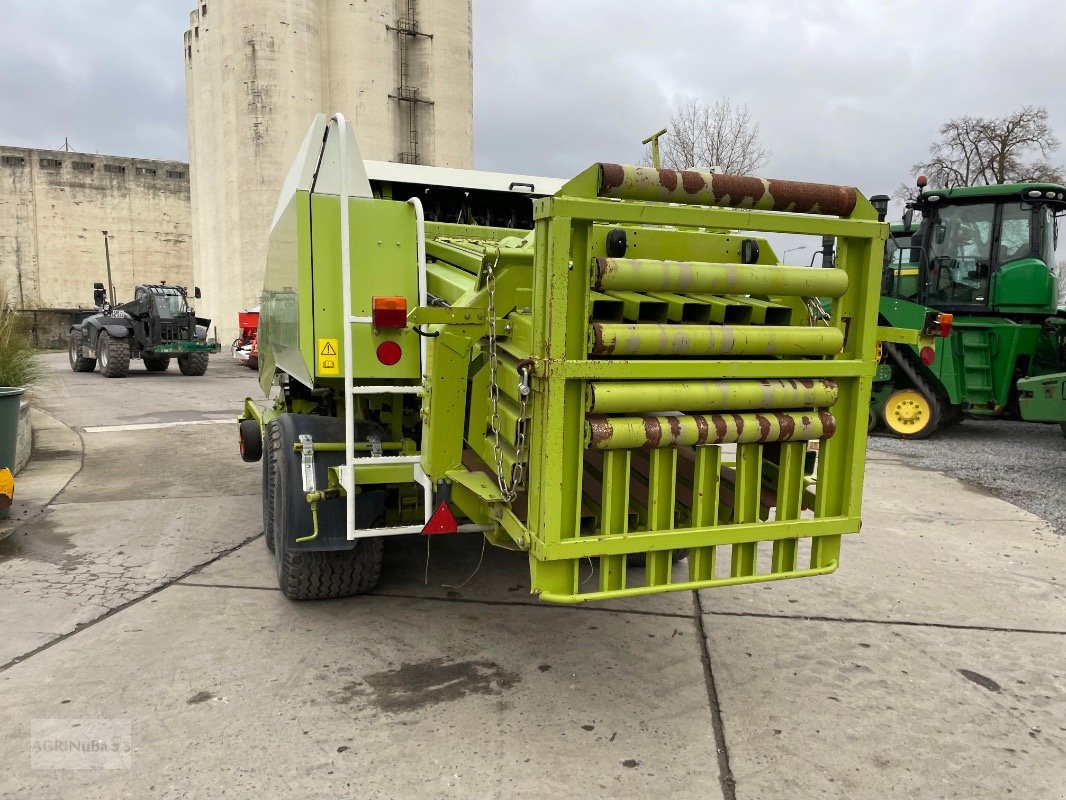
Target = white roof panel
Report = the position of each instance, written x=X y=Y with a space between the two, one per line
x=461 y=178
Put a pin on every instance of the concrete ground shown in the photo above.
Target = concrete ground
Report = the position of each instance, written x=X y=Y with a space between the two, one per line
x=134 y=585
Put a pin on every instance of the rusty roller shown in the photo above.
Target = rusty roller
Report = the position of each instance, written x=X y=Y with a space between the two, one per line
x=629 y=397
x=701 y=277
x=651 y=432
x=734 y=191
x=621 y=339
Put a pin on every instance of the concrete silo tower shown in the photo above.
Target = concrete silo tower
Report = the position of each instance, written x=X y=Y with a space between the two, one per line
x=256 y=72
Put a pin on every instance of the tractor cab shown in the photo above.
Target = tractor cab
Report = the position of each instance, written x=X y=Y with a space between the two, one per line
x=166 y=302
x=979 y=249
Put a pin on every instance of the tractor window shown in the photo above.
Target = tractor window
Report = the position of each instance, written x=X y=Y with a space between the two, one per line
x=1049 y=226
x=171 y=304
x=1015 y=240
x=960 y=254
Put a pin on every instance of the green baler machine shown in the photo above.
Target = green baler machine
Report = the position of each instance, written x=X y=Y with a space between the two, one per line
x=618 y=375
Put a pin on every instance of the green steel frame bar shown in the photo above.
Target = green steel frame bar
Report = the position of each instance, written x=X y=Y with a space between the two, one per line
x=564 y=235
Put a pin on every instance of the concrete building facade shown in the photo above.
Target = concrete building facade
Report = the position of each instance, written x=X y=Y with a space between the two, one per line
x=54 y=206
x=257 y=72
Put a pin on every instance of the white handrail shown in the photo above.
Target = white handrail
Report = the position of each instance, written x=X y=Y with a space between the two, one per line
x=346 y=301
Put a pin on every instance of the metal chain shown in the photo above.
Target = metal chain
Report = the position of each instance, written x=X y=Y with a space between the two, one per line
x=816 y=311
x=509 y=488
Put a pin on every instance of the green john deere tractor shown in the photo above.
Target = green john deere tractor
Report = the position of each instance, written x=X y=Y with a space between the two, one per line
x=982 y=258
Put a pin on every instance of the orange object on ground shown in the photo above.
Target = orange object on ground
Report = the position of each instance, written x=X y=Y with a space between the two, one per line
x=7 y=488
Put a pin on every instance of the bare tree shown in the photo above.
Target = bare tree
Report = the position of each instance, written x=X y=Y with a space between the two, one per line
x=723 y=136
x=975 y=151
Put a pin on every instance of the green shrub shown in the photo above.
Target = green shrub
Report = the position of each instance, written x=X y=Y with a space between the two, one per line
x=19 y=364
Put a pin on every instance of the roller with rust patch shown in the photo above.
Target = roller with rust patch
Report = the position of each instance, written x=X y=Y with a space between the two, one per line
x=652 y=432
x=634 y=339
x=701 y=277
x=733 y=191
x=629 y=397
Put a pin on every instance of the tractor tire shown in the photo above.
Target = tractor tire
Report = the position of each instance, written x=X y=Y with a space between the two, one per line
x=271 y=445
x=114 y=356
x=313 y=574
x=156 y=363
x=193 y=363
x=78 y=362
x=910 y=414
x=251 y=440
x=951 y=416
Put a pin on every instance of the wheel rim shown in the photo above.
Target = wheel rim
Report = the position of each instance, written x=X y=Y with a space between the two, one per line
x=908 y=412
x=73 y=351
x=103 y=355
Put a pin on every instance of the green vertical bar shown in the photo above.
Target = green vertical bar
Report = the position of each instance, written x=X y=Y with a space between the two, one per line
x=555 y=463
x=705 y=483
x=746 y=505
x=841 y=458
x=789 y=502
x=662 y=482
x=614 y=512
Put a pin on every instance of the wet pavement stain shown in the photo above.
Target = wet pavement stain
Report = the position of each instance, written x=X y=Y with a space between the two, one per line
x=980 y=680
x=414 y=686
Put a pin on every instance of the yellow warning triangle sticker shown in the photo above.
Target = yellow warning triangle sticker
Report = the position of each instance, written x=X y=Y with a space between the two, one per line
x=327 y=349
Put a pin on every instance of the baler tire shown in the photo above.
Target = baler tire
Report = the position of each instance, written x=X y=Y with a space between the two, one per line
x=156 y=363
x=271 y=445
x=114 y=356
x=251 y=440
x=79 y=363
x=314 y=574
x=193 y=364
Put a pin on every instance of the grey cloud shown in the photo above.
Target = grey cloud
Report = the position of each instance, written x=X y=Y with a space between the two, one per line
x=850 y=92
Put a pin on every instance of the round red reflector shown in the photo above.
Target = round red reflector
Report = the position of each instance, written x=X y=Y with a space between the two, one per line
x=928 y=355
x=389 y=353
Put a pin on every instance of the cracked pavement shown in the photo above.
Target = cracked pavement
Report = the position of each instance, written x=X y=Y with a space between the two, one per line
x=930 y=665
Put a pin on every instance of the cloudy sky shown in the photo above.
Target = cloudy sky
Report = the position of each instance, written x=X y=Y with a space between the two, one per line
x=845 y=91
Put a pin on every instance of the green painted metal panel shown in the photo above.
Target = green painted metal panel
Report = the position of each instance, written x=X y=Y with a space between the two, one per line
x=286 y=314
x=384 y=263
x=1043 y=398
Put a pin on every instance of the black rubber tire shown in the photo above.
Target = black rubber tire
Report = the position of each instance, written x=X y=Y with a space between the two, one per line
x=114 y=356
x=1062 y=425
x=317 y=575
x=156 y=363
x=872 y=421
x=251 y=440
x=79 y=363
x=272 y=443
x=193 y=363
x=951 y=416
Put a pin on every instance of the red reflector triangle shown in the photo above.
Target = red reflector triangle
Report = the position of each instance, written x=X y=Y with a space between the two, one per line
x=442 y=521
